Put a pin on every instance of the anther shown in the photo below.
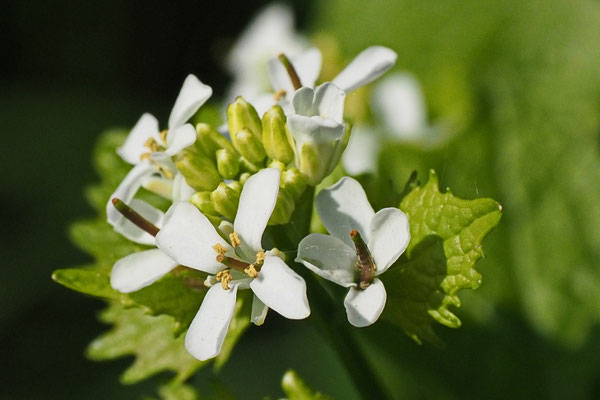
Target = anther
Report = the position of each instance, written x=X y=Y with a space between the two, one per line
x=279 y=94
x=251 y=271
x=219 y=249
x=260 y=257
x=235 y=239
x=163 y=136
x=152 y=145
x=224 y=277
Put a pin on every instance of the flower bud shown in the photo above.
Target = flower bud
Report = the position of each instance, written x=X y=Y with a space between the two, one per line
x=228 y=163
x=277 y=164
x=319 y=144
x=249 y=146
x=293 y=182
x=225 y=200
x=235 y=185
x=203 y=202
x=208 y=140
x=275 y=137
x=240 y=115
x=198 y=170
x=284 y=208
x=244 y=177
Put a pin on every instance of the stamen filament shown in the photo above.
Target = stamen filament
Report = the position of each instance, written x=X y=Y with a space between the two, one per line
x=365 y=264
x=290 y=70
x=134 y=217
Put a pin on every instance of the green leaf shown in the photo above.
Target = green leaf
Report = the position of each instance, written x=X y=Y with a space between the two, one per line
x=149 y=338
x=178 y=391
x=169 y=295
x=446 y=236
x=296 y=389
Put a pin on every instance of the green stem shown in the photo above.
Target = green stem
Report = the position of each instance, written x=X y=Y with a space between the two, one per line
x=326 y=313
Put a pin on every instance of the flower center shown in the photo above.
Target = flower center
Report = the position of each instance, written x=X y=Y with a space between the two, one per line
x=251 y=270
x=365 y=265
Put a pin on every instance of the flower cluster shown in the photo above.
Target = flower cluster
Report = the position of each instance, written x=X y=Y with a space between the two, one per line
x=227 y=184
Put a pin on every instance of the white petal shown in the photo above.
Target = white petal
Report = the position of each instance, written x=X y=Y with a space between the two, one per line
x=257 y=202
x=281 y=289
x=139 y=270
x=159 y=185
x=399 y=101
x=181 y=190
x=363 y=307
x=134 y=233
x=205 y=336
x=308 y=66
x=179 y=138
x=133 y=148
x=369 y=65
x=127 y=190
x=188 y=237
x=192 y=95
x=328 y=257
x=329 y=102
x=278 y=76
x=259 y=311
x=302 y=101
x=390 y=234
x=362 y=151
x=317 y=129
x=344 y=207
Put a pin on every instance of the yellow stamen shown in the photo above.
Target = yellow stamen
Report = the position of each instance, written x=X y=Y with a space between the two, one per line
x=152 y=144
x=235 y=239
x=144 y=156
x=260 y=257
x=279 y=94
x=163 y=136
x=251 y=271
x=166 y=172
x=224 y=277
x=219 y=249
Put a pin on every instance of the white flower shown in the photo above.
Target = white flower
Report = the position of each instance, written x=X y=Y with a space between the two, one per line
x=270 y=32
x=150 y=152
x=399 y=103
x=363 y=245
x=316 y=124
x=367 y=66
x=188 y=237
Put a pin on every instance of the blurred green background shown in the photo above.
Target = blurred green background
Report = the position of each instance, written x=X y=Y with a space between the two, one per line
x=517 y=83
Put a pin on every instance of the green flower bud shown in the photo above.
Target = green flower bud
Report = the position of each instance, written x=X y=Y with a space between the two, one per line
x=277 y=164
x=203 y=201
x=249 y=146
x=244 y=177
x=293 y=182
x=208 y=140
x=235 y=185
x=284 y=208
x=198 y=170
x=247 y=166
x=275 y=137
x=225 y=200
x=240 y=115
x=228 y=163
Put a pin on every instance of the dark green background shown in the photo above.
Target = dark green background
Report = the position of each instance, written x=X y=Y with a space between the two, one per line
x=517 y=81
